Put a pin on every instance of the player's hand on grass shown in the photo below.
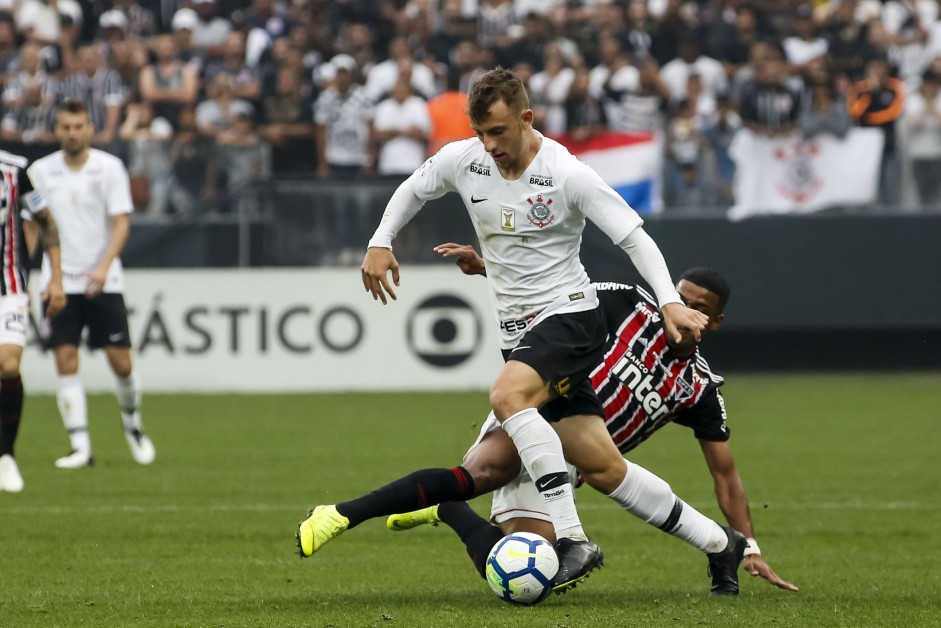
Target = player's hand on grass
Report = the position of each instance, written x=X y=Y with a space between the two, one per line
x=377 y=263
x=756 y=566
x=54 y=297
x=678 y=318
x=467 y=260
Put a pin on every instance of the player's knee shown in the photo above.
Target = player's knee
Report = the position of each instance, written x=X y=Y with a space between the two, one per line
x=9 y=366
x=491 y=474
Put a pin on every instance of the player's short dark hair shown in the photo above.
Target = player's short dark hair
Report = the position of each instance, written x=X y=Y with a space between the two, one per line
x=73 y=105
x=711 y=280
x=497 y=84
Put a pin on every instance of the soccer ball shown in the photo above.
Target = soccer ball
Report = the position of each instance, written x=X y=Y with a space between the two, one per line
x=520 y=567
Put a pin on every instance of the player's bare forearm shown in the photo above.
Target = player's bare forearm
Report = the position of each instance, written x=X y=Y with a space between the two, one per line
x=467 y=260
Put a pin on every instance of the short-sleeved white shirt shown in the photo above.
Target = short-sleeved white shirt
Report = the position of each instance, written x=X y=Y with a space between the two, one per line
x=82 y=204
x=401 y=155
x=530 y=230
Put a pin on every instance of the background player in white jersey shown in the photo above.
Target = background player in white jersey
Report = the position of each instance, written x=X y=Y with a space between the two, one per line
x=677 y=386
x=528 y=198
x=18 y=200
x=88 y=192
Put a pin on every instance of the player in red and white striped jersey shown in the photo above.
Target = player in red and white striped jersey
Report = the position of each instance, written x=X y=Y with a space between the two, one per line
x=18 y=201
x=644 y=383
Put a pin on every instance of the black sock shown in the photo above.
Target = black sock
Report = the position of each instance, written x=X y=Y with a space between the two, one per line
x=11 y=406
x=418 y=490
x=478 y=534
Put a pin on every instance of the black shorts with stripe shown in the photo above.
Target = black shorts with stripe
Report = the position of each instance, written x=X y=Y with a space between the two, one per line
x=564 y=349
x=105 y=316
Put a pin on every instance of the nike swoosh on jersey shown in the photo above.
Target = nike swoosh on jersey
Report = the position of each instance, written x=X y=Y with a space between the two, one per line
x=477 y=200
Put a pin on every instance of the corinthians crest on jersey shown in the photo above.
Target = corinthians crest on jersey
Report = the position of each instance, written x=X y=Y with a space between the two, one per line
x=540 y=211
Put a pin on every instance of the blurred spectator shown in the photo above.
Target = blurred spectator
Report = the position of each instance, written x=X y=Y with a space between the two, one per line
x=112 y=26
x=242 y=155
x=823 y=109
x=702 y=104
x=731 y=43
x=907 y=24
x=805 y=44
x=670 y=23
x=609 y=49
x=635 y=98
x=288 y=125
x=719 y=133
x=184 y=25
x=690 y=61
x=878 y=101
x=382 y=77
x=217 y=113
x=140 y=21
x=768 y=105
x=497 y=23
x=100 y=88
x=922 y=123
x=128 y=59
x=210 y=32
x=41 y=21
x=549 y=89
x=8 y=49
x=684 y=158
x=168 y=84
x=447 y=113
x=529 y=47
x=343 y=113
x=636 y=38
x=192 y=160
x=246 y=81
x=848 y=41
x=268 y=17
x=584 y=115
x=29 y=99
x=400 y=129
x=148 y=140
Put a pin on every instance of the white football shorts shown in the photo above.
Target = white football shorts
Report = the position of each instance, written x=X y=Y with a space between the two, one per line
x=519 y=498
x=14 y=319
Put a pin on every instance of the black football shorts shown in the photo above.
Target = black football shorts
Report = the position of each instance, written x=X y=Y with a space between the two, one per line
x=105 y=316
x=564 y=349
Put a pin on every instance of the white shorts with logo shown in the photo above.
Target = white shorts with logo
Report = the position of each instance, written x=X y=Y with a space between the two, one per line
x=519 y=498
x=14 y=319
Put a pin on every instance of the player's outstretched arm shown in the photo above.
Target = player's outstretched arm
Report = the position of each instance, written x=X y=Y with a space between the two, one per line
x=733 y=501
x=467 y=258
x=376 y=265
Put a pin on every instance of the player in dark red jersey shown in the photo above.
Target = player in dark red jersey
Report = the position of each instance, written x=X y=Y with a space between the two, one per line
x=644 y=382
x=19 y=200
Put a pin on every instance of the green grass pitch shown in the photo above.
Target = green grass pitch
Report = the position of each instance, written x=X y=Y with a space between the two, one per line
x=842 y=472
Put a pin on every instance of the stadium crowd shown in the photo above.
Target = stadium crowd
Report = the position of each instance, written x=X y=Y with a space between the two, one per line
x=204 y=96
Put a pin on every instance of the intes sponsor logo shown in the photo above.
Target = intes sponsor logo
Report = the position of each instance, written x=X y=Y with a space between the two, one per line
x=639 y=380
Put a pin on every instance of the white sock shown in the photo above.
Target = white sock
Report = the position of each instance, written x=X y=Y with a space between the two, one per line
x=647 y=496
x=129 y=398
x=541 y=452
x=70 y=397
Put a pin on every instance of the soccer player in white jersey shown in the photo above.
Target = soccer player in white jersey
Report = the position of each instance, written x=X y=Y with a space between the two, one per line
x=528 y=198
x=17 y=201
x=88 y=191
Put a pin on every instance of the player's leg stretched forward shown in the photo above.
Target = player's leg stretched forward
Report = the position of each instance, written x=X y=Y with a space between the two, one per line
x=634 y=488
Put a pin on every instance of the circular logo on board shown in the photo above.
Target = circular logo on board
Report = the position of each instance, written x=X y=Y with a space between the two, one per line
x=443 y=330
